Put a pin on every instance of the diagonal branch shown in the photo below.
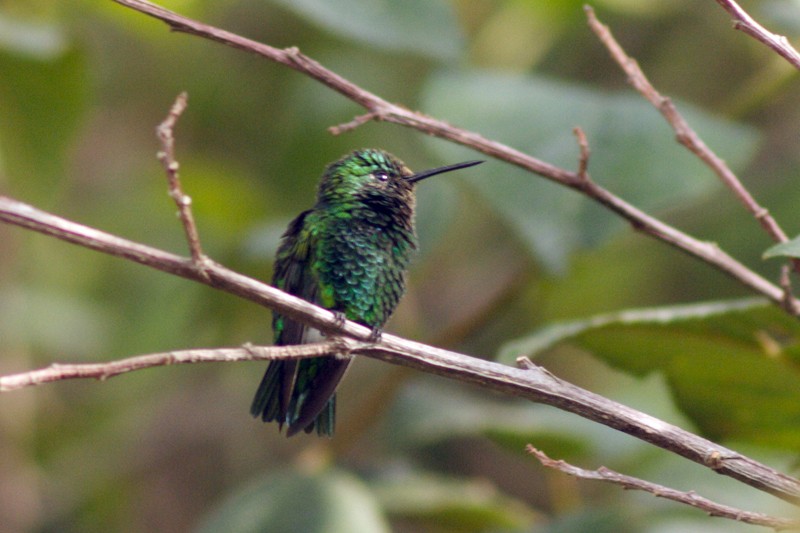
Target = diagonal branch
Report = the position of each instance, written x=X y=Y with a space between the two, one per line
x=379 y=109
x=744 y=22
x=532 y=382
x=165 y=132
x=688 y=498
x=684 y=133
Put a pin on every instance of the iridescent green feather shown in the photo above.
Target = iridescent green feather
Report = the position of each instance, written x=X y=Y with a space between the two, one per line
x=348 y=254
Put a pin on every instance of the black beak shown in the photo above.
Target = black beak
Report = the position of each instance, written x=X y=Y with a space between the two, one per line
x=432 y=172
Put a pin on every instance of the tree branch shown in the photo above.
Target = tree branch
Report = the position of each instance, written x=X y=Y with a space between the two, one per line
x=167 y=157
x=379 y=109
x=688 y=498
x=585 y=152
x=532 y=383
x=684 y=133
x=103 y=371
x=744 y=22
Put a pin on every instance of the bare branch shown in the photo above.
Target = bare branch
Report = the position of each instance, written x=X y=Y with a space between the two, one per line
x=531 y=383
x=683 y=131
x=24 y=215
x=379 y=109
x=103 y=371
x=353 y=124
x=744 y=22
x=789 y=301
x=660 y=491
x=583 y=160
x=171 y=166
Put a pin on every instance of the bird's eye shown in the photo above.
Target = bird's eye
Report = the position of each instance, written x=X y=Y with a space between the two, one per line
x=381 y=176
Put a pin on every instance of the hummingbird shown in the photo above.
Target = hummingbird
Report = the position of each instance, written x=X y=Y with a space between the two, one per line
x=349 y=254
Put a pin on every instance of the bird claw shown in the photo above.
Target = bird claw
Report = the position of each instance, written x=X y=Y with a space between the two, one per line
x=339 y=319
x=375 y=335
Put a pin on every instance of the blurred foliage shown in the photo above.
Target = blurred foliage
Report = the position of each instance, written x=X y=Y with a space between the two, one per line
x=702 y=350
x=631 y=143
x=790 y=248
x=509 y=264
x=292 y=500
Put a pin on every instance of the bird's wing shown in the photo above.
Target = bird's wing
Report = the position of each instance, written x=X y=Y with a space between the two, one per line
x=299 y=393
x=292 y=274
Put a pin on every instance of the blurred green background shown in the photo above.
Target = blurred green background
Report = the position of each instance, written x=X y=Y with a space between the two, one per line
x=509 y=264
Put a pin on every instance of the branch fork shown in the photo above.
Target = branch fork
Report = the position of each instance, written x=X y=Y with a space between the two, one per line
x=165 y=132
x=690 y=498
x=531 y=382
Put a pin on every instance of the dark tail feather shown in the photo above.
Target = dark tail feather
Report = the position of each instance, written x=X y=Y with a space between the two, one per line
x=313 y=403
x=324 y=423
x=300 y=394
x=274 y=392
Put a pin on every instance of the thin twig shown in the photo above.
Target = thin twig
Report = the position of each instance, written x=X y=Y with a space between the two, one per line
x=684 y=133
x=744 y=22
x=531 y=383
x=109 y=369
x=165 y=132
x=583 y=160
x=688 y=498
x=789 y=301
x=353 y=124
x=380 y=109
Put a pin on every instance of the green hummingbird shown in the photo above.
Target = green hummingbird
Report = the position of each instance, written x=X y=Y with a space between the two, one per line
x=349 y=254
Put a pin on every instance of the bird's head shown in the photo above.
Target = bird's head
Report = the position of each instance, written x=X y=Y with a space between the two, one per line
x=373 y=177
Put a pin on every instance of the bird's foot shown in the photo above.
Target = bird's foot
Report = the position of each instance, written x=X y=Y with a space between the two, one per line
x=340 y=318
x=375 y=336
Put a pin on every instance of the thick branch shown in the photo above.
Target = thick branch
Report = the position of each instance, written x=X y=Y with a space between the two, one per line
x=380 y=109
x=687 y=498
x=532 y=383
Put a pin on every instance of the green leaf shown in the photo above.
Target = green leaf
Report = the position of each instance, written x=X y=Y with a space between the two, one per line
x=550 y=335
x=288 y=501
x=785 y=249
x=452 y=504
x=739 y=394
x=732 y=366
x=429 y=411
x=418 y=26
x=634 y=153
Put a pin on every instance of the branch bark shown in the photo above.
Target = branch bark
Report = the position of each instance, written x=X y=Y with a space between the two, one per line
x=684 y=133
x=165 y=132
x=744 y=22
x=691 y=498
x=532 y=382
x=104 y=371
x=379 y=109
